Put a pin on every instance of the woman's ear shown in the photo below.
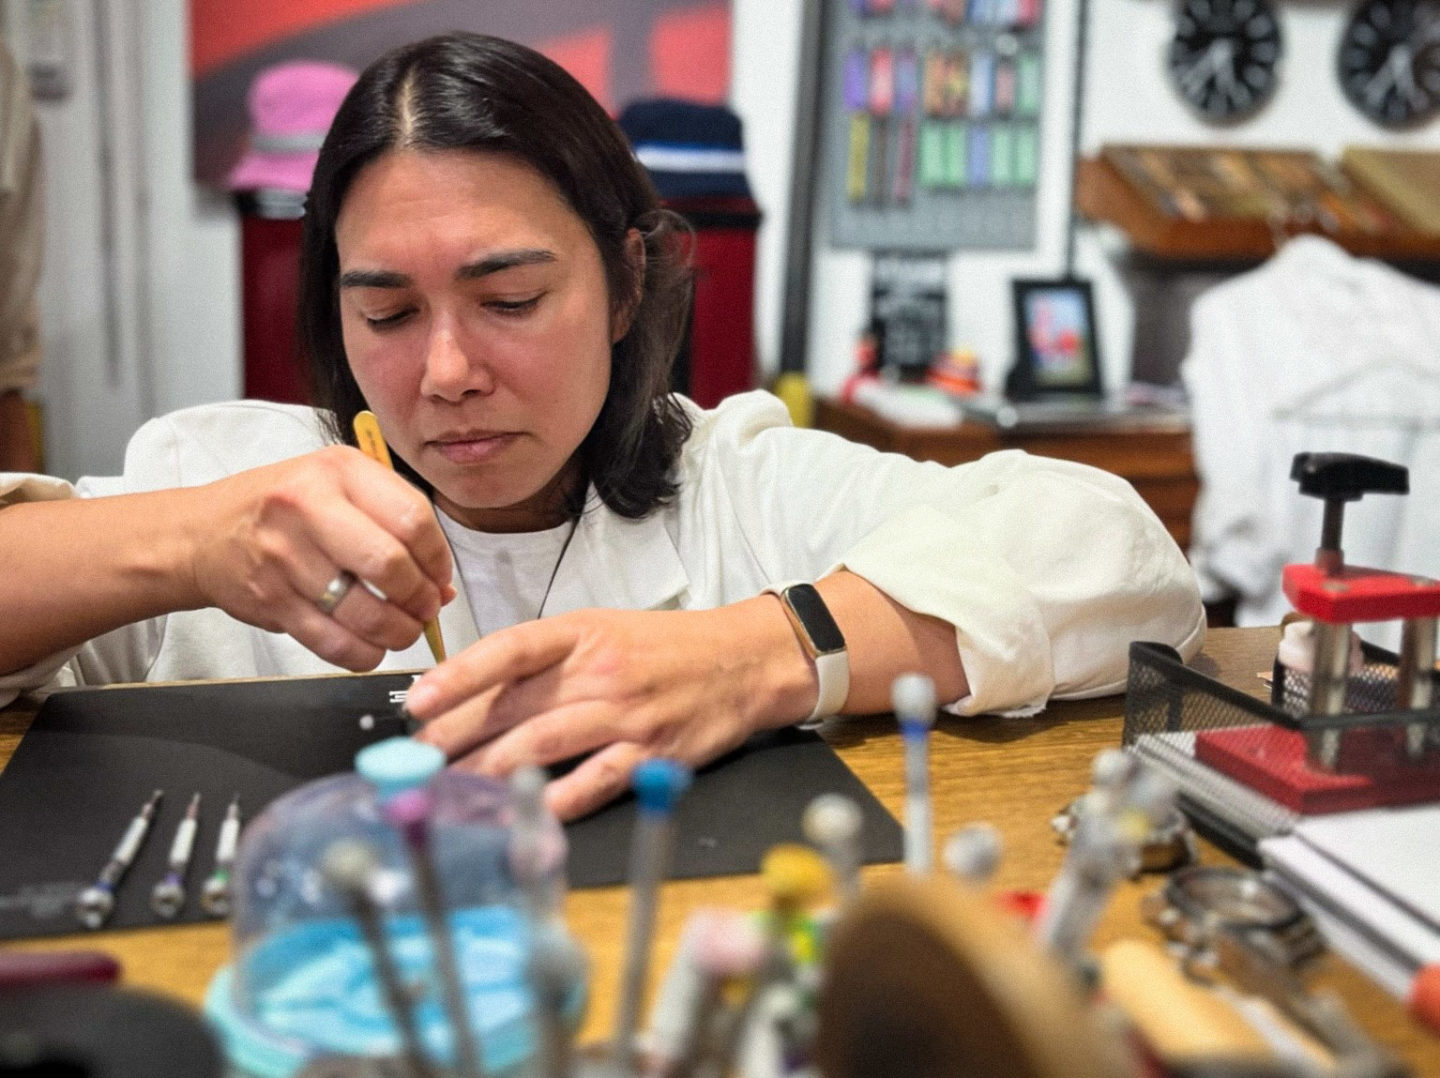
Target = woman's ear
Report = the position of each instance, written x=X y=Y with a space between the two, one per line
x=622 y=311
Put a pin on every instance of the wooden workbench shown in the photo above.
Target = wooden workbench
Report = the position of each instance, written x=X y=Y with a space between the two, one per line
x=1015 y=773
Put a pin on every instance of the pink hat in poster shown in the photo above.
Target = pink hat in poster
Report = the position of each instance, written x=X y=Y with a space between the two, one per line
x=291 y=106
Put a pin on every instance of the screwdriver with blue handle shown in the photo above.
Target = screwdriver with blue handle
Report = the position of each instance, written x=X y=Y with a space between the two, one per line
x=372 y=444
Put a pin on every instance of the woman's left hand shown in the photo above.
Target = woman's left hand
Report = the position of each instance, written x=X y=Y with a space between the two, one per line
x=622 y=686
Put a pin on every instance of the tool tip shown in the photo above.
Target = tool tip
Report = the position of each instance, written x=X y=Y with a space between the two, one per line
x=913 y=697
x=659 y=783
x=831 y=818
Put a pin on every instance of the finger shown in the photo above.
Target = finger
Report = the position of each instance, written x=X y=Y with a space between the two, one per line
x=376 y=621
x=596 y=781
x=327 y=638
x=405 y=513
x=548 y=738
x=463 y=728
x=354 y=540
x=503 y=658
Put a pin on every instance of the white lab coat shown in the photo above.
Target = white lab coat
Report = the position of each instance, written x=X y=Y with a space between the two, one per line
x=1314 y=351
x=1047 y=569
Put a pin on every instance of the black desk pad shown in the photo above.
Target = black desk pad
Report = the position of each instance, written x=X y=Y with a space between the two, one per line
x=92 y=757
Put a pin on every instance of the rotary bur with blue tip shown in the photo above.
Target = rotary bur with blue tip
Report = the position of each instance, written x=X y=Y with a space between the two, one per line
x=913 y=698
x=95 y=904
x=658 y=785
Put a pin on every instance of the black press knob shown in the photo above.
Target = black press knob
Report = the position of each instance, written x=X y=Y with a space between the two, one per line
x=1347 y=476
x=1339 y=478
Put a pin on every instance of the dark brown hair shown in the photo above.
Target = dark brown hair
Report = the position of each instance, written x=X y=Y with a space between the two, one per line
x=472 y=92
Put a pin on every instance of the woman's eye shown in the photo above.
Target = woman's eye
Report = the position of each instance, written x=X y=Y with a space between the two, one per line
x=387 y=321
x=513 y=306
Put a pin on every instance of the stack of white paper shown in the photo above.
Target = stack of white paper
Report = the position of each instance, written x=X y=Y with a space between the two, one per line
x=1369 y=877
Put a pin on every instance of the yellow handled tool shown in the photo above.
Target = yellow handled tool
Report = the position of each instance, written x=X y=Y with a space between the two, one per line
x=372 y=444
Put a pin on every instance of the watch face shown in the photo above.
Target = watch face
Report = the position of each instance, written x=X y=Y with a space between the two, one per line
x=815 y=616
x=1389 y=61
x=1224 y=56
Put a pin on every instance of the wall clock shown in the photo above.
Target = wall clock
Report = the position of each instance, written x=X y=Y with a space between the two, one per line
x=1389 y=61
x=1224 y=56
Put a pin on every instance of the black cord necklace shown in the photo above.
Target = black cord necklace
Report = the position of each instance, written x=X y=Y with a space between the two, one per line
x=574 y=526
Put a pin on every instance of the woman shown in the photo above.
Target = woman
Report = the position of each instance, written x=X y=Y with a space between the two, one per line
x=486 y=267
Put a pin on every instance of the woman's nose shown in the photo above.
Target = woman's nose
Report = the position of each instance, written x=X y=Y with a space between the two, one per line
x=452 y=370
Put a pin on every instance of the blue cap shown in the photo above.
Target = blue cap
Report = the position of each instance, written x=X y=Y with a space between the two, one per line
x=398 y=764
x=659 y=783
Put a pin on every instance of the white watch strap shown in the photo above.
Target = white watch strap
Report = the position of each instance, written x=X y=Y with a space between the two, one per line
x=832 y=671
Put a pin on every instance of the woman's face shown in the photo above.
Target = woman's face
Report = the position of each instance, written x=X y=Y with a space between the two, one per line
x=478 y=325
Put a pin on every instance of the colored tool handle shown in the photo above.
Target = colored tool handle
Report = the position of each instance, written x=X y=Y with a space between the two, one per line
x=370 y=440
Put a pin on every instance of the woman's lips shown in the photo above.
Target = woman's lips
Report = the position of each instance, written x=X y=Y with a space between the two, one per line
x=472 y=450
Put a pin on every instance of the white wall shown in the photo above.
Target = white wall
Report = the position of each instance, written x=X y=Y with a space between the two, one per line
x=171 y=336
x=140 y=292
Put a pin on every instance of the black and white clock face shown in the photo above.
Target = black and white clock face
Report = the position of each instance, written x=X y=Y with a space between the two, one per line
x=1224 y=56
x=1389 y=60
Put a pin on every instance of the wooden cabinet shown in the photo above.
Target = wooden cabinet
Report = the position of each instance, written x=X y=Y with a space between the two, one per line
x=1157 y=462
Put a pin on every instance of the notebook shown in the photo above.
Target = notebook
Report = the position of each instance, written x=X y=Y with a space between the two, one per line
x=1369 y=880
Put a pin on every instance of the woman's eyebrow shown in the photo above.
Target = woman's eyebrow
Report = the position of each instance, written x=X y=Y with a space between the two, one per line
x=373 y=279
x=362 y=278
x=503 y=261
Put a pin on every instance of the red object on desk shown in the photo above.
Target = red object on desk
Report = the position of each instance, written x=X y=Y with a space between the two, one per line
x=1371 y=771
x=1424 y=1001
x=25 y=969
x=1356 y=594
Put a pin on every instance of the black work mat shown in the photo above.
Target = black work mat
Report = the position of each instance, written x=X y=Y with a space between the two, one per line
x=92 y=757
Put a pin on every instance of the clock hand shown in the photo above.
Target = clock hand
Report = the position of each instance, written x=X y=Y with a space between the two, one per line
x=1225 y=67
x=1380 y=83
x=1405 y=85
x=1397 y=74
x=1193 y=80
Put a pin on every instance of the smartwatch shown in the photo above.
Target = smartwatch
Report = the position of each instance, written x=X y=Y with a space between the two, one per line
x=822 y=641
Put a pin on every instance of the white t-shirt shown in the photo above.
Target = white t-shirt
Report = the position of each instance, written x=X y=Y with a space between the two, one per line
x=507 y=577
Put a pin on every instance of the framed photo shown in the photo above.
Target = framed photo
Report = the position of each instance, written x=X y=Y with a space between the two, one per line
x=1056 y=349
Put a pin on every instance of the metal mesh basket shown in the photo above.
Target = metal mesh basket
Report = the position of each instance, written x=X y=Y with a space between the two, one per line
x=1250 y=768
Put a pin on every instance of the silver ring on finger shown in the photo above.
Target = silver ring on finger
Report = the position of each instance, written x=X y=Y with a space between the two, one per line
x=336 y=590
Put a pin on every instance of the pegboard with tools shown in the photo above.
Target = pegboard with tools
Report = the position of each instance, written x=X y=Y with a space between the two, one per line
x=932 y=113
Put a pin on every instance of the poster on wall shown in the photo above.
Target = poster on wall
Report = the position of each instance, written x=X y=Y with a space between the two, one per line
x=932 y=123
x=621 y=50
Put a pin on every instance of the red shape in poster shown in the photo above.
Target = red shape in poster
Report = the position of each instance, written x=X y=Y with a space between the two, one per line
x=690 y=54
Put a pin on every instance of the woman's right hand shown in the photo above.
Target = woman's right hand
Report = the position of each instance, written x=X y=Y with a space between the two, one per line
x=267 y=543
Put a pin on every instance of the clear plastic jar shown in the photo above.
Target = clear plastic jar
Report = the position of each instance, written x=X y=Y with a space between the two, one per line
x=304 y=981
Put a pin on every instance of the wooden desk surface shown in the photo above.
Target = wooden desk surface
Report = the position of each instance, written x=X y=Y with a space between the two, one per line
x=1015 y=773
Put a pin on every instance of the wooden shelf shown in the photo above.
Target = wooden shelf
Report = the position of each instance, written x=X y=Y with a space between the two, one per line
x=1104 y=194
